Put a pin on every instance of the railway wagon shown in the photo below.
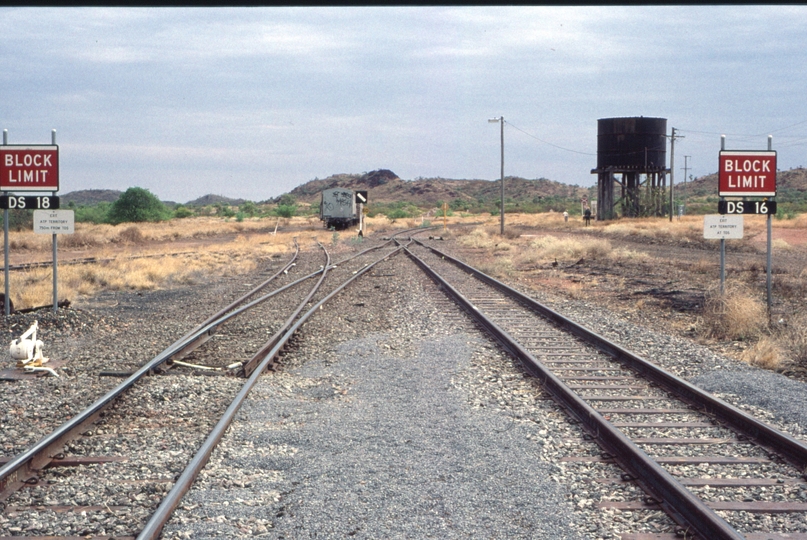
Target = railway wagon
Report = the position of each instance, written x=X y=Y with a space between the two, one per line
x=338 y=208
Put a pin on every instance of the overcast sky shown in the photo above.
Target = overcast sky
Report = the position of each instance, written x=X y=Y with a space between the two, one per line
x=249 y=103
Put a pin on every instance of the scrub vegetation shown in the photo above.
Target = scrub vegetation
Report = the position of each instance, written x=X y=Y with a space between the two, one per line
x=664 y=275
x=652 y=269
x=154 y=255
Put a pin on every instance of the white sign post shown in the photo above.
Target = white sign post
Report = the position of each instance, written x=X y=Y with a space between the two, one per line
x=54 y=221
x=721 y=227
x=717 y=227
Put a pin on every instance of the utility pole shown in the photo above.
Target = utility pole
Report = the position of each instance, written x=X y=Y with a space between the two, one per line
x=501 y=121
x=686 y=170
x=502 y=175
x=672 y=172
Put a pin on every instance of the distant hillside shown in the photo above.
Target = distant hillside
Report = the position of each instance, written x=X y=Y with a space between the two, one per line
x=208 y=200
x=89 y=197
x=788 y=183
x=385 y=186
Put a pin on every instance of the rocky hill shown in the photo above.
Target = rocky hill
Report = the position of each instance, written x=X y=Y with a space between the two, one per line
x=215 y=199
x=89 y=197
x=385 y=186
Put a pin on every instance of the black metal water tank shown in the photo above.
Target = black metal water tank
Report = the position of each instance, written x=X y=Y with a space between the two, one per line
x=636 y=143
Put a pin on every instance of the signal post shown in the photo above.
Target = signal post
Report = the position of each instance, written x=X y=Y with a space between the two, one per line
x=30 y=168
x=747 y=185
x=361 y=200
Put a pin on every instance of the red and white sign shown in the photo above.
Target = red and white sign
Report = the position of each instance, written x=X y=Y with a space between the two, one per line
x=29 y=168
x=747 y=173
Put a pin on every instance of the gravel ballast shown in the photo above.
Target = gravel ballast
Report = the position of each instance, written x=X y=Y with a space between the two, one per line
x=330 y=451
x=374 y=437
x=390 y=418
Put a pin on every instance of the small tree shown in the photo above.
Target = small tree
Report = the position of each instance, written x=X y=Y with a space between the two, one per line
x=287 y=200
x=182 y=211
x=20 y=220
x=137 y=205
x=224 y=210
x=286 y=210
x=248 y=208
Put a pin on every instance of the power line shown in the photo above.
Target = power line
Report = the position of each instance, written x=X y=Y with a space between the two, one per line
x=786 y=127
x=549 y=143
x=797 y=142
x=749 y=135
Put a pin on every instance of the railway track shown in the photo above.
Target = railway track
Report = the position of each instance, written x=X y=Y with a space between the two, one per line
x=97 y=438
x=696 y=457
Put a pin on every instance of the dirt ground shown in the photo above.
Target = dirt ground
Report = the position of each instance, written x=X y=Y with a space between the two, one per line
x=667 y=289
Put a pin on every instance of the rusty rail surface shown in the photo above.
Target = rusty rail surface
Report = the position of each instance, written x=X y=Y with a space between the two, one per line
x=793 y=450
x=264 y=358
x=683 y=506
x=19 y=469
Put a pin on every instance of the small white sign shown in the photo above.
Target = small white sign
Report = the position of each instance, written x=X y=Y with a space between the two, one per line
x=717 y=227
x=54 y=221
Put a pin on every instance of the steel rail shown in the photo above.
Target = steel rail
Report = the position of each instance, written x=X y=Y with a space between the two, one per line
x=154 y=526
x=14 y=473
x=677 y=500
x=419 y=229
x=196 y=342
x=212 y=325
x=91 y=260
x=791 y=449
x=259 y=287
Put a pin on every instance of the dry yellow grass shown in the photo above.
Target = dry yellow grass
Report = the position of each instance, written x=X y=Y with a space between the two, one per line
x=765 y=354
x=736 y=314
x=499 y=267
x=552 y=247
x=794 y=336
x=779 y=244
x=177 y=230
x=176 y=252
x=799 y=222
x=622 y=254
x=686 y=228
x=151 y=256
x=703 y=266
x=228 y=241
x=478 y=238
x=547 y=219
x=575 y=290
x=130 y=270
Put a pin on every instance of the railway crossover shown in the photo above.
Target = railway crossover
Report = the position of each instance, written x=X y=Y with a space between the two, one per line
x=24 y=470
x=654 y=425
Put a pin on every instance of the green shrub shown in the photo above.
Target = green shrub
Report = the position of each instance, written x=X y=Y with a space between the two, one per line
x=96 y=213
x=224 y=210
x=286 y=210
x=181 y=212
x=137 y=205
x=398 y=213
x=249 y=208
